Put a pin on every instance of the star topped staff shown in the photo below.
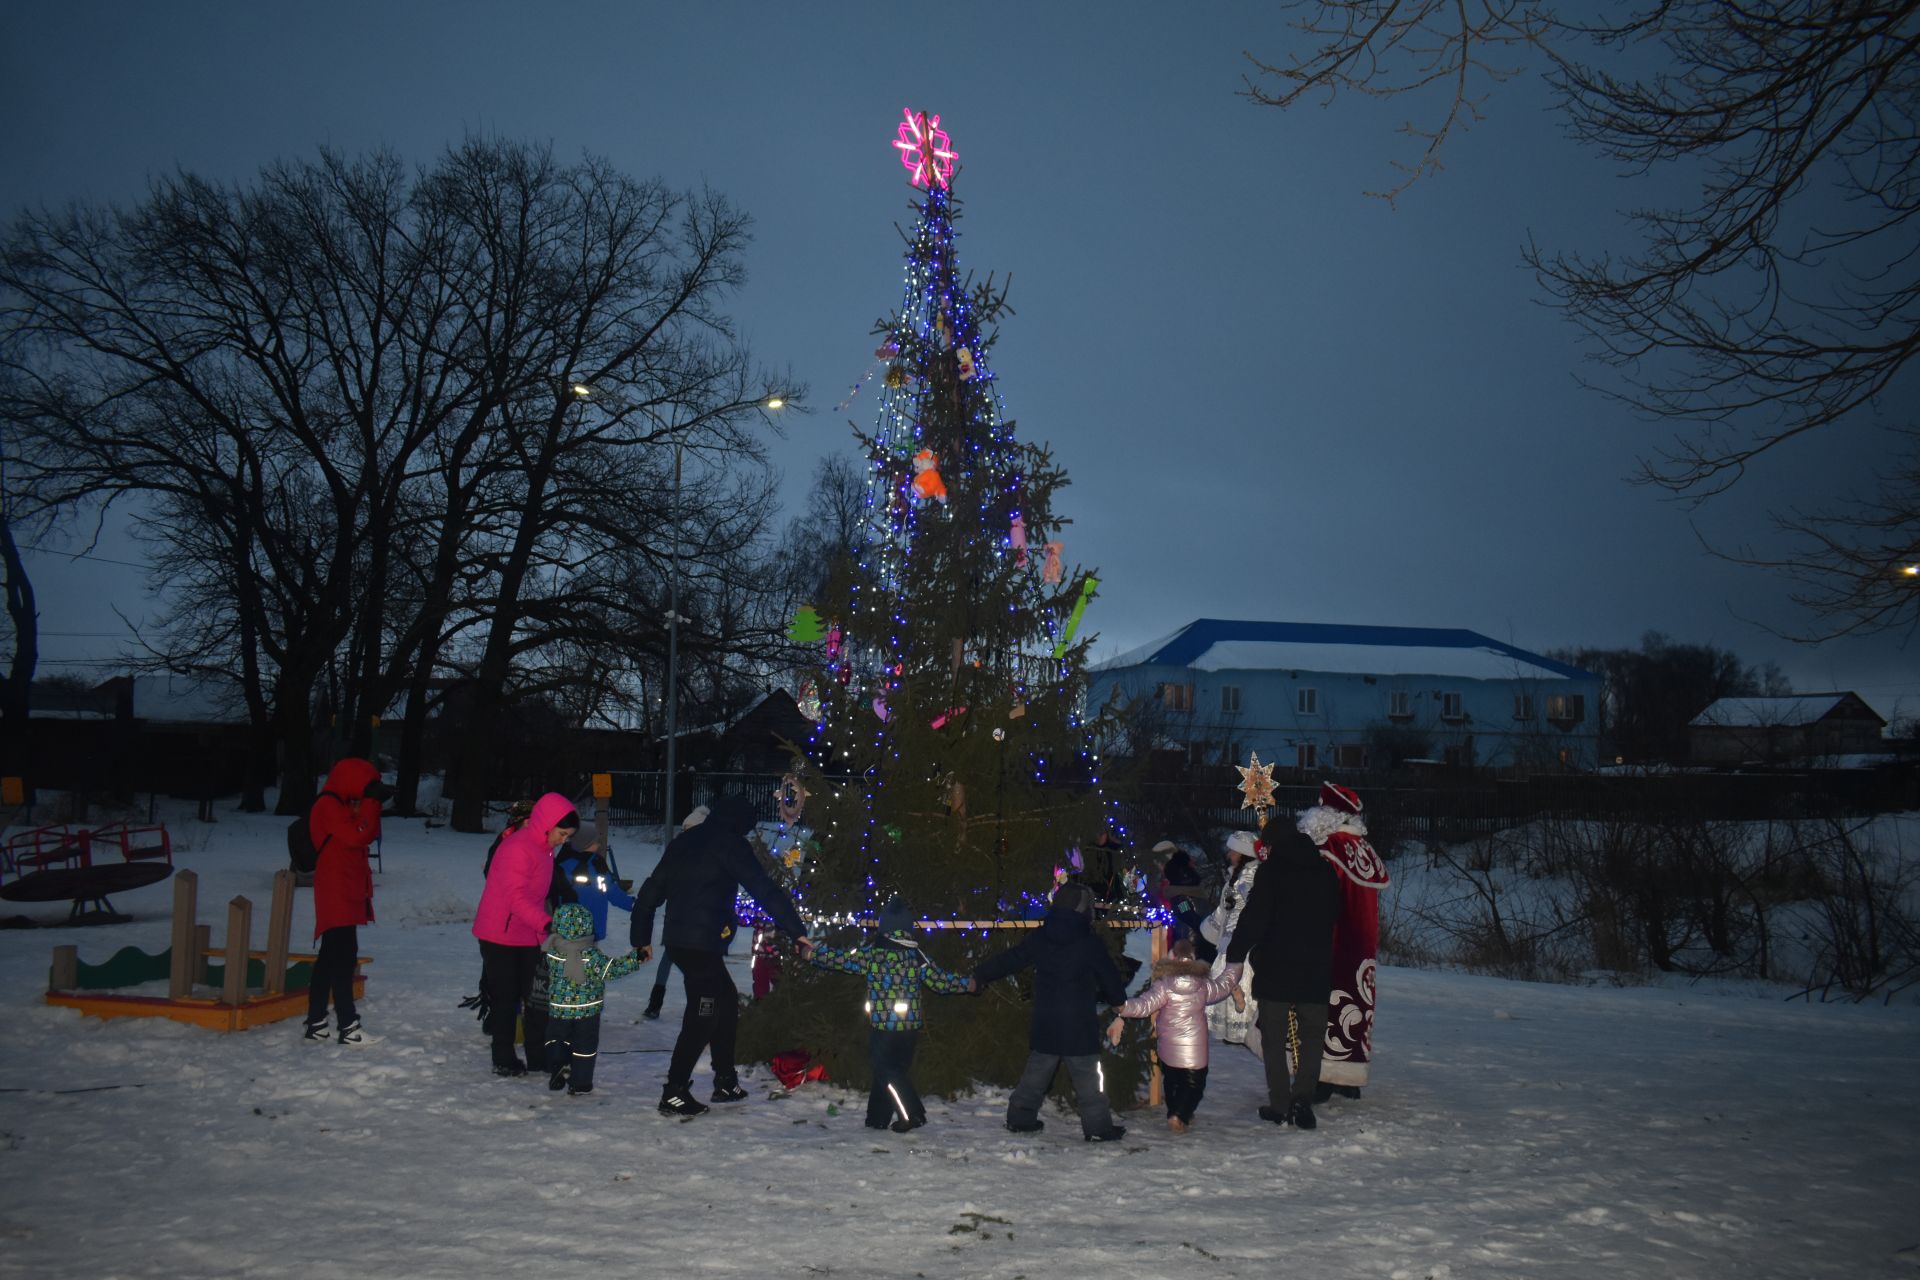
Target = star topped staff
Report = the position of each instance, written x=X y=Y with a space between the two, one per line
x=1256 y=785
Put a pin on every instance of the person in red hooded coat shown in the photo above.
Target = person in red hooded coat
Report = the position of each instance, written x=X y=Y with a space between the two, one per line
x=344 y=822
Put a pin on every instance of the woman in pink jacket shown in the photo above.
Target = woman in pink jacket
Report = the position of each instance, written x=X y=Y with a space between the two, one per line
x=512 y=925
x=1180 y=994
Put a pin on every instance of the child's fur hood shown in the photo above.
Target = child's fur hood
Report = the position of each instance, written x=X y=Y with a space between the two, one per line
x=1175 y=968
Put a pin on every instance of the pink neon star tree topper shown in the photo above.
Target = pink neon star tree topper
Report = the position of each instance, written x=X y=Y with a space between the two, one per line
x=925 y=149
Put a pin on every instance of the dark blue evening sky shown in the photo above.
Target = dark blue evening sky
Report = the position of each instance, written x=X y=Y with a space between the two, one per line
x=1278 y=398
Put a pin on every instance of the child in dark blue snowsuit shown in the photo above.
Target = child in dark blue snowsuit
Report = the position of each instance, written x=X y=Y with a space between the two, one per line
x=1072 y=971
x=896 y=973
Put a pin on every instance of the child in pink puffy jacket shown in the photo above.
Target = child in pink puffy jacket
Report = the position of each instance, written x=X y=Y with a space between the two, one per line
x=1180 y=994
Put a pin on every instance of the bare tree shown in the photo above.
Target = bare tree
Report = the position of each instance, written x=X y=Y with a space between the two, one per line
x=1782 y=299
x=340 y=400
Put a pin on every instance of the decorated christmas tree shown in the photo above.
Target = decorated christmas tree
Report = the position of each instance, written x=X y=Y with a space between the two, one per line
x=952 y=763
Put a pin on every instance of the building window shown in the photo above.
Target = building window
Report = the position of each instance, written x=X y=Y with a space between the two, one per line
x=1304 y=755
x=1176 y=697
x=1450 y=707
x=1230 y=699
x=1350 y=755
x=1567 y=708
x=1523 y=706
x=1400 y=704
x=1307 y=702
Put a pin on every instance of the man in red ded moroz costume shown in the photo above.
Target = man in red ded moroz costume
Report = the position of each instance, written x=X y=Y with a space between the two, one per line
x=344 y=822
x=1336 y=829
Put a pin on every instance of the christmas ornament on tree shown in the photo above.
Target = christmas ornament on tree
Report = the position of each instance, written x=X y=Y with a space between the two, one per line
x=1073 y=619
x=965 y=358
x=926 y=477
x=806 y=627
x=1051 y=571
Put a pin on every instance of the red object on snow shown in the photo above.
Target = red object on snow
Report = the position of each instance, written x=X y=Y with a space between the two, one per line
x=795 y=1067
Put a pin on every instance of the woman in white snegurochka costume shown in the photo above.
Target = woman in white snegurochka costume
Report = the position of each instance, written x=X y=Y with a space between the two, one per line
x=1244 y=853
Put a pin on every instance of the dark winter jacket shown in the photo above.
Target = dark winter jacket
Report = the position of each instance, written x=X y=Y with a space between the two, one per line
x=577 y=971
x=1071 y=971
x=344 y=823
x=588 y=880
x=896 y=973
x=700 y=872
x=1287 y=925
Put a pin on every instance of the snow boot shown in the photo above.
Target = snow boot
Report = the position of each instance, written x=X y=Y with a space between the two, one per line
x=1301 y=1114
x=1276 y=1115
x=352 y=1034
x=316 y=1031
x=1026 y=1126
x=905 y=1126
x=681 y=1102
x=1345 y=1091
x=514 y=1068
x=728 y=1092
x=1112 y=1133
x=558 y=1080
x=1323 y=1093
x=580 y=1092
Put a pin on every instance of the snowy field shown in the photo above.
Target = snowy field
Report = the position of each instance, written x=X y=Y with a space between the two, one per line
x=1512 y=1130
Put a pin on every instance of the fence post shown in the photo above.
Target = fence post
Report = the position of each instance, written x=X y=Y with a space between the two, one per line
x=279 y=931
x=64 y=975
x=239 y=936
x=180 y=967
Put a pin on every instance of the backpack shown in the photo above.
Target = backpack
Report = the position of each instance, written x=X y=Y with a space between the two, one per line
x=301 y=852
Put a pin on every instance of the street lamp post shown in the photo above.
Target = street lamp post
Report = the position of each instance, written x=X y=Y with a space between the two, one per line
x=585 y=391
x=673 y=646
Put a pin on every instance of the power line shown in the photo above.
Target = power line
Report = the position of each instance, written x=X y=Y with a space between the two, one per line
x=83 y=555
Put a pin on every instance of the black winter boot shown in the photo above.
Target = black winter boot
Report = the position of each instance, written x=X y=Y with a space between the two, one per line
x=681 y=1102
x=1302 y=1114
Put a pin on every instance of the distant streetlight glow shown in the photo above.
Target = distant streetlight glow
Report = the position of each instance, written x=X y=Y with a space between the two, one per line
x=774 y=402
x=581 y=390
x=1910 y=570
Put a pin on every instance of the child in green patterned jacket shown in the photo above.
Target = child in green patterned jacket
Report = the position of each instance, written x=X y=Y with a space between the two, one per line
x=896 y=974
x=577 y=977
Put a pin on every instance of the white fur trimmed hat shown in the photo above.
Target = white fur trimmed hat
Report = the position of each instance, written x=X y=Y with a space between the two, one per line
x=1247 y=845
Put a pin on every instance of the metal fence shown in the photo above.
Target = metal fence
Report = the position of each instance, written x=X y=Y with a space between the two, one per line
x=1447 y=812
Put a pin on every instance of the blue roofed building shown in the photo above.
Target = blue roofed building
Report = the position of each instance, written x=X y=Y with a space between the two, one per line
x=1331 y=699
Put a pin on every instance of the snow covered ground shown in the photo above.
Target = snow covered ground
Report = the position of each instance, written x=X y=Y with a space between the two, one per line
x=1512 y=1130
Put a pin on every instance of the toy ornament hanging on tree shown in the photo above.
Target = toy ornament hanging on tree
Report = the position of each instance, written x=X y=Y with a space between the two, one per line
x=965 y=358
x=1017 y=539
x=1051 y=572
x=926 y=477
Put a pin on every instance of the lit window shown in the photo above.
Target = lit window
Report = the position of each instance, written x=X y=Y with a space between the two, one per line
x=1567 y=708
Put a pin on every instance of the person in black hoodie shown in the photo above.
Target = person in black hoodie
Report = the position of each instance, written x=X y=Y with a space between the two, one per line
x=1071 y=972
x=700 y=872
x=1287 y=926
